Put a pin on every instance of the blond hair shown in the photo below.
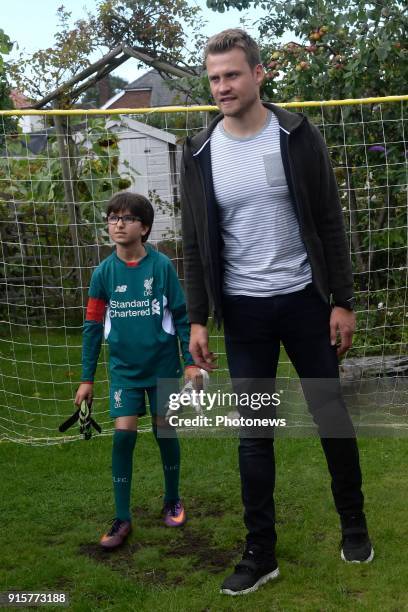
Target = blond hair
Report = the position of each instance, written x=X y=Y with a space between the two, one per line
x=233 y=38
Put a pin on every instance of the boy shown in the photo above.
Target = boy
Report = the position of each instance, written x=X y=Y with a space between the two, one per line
x=135 y=298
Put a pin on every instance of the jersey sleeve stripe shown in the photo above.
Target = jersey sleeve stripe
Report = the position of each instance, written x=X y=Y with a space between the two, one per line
x=95 y=310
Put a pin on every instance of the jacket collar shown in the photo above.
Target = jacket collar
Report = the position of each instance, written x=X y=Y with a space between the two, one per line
x=288 y=121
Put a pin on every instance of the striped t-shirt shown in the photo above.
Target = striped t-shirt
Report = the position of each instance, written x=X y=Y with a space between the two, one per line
x=263 y=252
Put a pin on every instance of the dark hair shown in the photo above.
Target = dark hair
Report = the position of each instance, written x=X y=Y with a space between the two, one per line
x=136 y=204
x=231 y=39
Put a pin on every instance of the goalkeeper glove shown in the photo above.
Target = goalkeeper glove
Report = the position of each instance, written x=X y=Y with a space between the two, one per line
x=190 y=390
x=83 y=415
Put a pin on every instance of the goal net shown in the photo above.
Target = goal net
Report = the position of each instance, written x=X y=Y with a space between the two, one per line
x=57 y=173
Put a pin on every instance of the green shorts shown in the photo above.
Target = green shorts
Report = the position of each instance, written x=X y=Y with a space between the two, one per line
x=132 y=402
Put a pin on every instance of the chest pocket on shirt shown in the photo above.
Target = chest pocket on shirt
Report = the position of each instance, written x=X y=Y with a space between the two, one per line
x=275 y=174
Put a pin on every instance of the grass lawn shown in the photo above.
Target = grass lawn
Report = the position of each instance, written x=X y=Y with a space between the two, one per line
x=55 y=501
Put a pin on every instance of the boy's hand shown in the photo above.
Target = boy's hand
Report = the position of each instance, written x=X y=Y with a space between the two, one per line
x=192 y=373
x=85 y=392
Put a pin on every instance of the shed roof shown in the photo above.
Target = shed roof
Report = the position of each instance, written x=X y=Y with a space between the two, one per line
x=143 y=128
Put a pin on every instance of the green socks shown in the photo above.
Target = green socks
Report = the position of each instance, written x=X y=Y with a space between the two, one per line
x=170 y=456
x=124 y=442
x=123 y=446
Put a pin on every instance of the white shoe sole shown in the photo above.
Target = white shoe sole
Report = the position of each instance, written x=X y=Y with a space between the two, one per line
x=368 y=560
x=254 y=587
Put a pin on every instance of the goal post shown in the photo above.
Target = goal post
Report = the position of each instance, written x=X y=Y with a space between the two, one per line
x=59 y=168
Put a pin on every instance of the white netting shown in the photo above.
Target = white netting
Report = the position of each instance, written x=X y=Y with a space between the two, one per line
x=55 y=180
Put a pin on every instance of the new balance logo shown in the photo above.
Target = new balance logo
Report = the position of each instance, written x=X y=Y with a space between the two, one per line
x=155 y=306
x=120 y=288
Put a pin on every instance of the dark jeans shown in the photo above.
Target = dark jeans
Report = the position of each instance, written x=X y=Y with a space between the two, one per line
x=254 y=328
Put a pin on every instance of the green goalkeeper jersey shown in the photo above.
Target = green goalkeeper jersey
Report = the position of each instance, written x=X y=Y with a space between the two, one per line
x=141 y=311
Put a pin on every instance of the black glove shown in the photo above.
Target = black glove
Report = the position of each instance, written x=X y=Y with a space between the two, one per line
x=83 y=414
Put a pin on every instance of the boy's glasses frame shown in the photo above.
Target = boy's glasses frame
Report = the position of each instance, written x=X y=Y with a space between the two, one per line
x=114 y=219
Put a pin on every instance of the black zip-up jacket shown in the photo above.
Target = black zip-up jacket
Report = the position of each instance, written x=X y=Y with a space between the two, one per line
x=313 y=189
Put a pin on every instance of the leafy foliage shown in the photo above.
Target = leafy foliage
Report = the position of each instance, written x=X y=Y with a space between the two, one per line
x=159 y=26
x=345 y=49
x=8 y=124
x=221 y=5
x=92 y=95
x=46 y=69
x=36 y=223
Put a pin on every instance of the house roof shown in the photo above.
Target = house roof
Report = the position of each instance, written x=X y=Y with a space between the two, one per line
x=162 y=95
x=102 y=67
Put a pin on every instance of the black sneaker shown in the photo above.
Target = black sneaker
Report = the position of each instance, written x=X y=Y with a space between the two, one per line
x=355 y=543
x=250 y=573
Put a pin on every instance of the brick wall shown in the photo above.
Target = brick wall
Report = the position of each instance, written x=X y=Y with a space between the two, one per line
x=133 y=99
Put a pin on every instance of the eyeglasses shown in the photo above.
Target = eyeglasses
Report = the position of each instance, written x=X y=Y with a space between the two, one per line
x=114 y=219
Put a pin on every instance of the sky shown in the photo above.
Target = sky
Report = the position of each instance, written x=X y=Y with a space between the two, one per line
x=33 y=24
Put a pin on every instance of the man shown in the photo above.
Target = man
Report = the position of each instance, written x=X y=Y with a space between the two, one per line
x=265 y=245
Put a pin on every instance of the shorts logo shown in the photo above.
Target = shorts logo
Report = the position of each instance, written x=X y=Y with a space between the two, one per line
x=118 y=398
x=155 y=307
x=148 y=286
x=120 y=288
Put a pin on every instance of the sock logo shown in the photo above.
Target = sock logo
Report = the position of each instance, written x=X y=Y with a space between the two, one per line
x=155 y=306
x=148 y=286
x=118 y=398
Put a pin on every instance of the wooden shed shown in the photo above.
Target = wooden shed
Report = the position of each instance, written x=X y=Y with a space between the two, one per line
x=151 y=157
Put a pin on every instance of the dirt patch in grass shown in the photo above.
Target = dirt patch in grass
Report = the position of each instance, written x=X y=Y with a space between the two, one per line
x=204 y=555
x=63 y=583
x=95 y=551
x=211 y=508
x=319 y=536
x=176 y=544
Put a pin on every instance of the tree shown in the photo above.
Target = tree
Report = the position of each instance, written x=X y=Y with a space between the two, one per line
x=46 y=69
x=5 y=47
x=156 y=26
x=343 y=48
x=93 y=95
x=7 y=123
x=37 y=220
x=221 y=5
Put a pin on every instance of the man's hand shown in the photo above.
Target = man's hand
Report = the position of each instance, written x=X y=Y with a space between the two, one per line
x=342 y=322
x=85 y=392
x=199 y=350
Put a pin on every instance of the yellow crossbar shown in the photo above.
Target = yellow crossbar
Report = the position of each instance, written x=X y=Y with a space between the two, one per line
x=191 y=109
